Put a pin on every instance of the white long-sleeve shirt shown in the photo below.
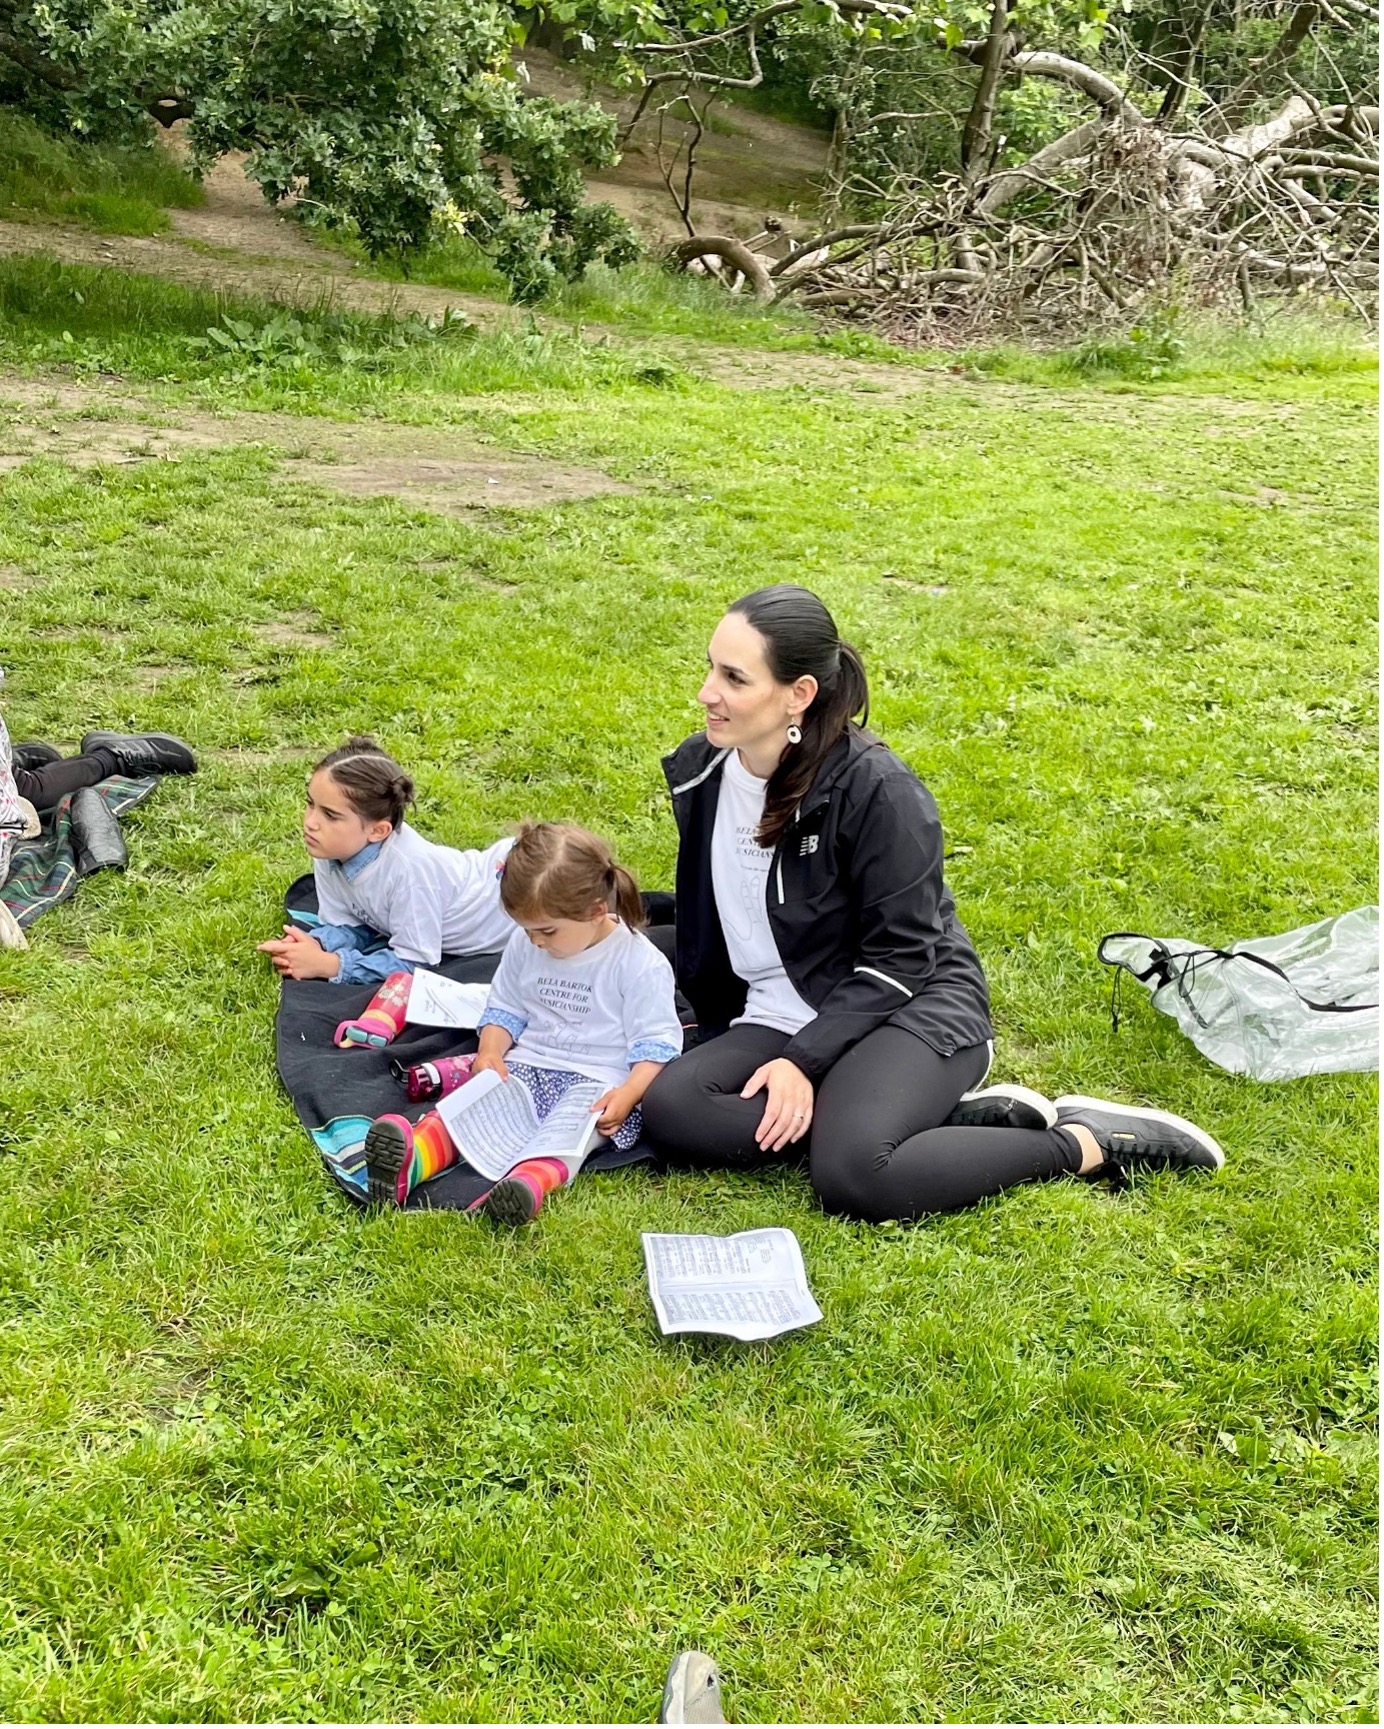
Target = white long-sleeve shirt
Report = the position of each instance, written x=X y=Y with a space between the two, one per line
x=427 y=900
x=596 y=1013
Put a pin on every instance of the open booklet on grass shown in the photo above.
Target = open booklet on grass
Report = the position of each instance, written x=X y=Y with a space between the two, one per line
x=494 y=1124
x=750 y=1286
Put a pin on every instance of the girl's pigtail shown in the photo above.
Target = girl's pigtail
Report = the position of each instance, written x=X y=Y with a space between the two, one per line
x=628 y=902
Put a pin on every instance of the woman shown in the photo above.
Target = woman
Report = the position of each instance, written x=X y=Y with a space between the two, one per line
x=840 y=1001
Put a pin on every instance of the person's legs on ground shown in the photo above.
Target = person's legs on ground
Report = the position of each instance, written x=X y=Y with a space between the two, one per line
x=693 y=1111
x=879 y=1150
x=46 y=786
x=45 y=778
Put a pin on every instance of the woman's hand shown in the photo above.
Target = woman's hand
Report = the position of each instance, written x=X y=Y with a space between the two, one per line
x=489 y=1060
x=788 y=1110
x=296 y=955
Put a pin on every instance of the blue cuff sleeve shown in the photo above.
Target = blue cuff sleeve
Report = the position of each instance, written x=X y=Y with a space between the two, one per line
x=513 y=1024
x=335 y=938
x=369 y=969
x=652 y=1051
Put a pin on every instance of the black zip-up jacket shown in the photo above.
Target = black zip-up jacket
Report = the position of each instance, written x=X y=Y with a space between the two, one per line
x=865 y=926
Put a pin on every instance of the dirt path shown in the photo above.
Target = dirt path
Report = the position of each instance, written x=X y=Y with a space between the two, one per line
x=437 y=469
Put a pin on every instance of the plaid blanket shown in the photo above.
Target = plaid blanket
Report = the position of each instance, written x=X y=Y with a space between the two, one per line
x=43 y=871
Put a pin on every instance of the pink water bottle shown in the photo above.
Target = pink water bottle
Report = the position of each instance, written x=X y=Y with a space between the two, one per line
x=436 y=1080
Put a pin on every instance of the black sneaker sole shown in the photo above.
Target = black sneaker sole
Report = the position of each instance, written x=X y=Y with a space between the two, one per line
x=1213 y=1156
x=511 y=1202
x=385 y=1152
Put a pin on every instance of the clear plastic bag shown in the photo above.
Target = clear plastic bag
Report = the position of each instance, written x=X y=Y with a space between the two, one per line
x=1273 y=1008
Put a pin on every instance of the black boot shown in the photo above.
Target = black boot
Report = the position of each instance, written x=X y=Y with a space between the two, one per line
x=96 y=837
x=141 y=753
x=33 y=755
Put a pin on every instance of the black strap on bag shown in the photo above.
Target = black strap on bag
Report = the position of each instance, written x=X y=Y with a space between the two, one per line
x=1181 y=970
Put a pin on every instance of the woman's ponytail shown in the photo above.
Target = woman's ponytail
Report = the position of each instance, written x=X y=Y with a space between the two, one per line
x=800 y=638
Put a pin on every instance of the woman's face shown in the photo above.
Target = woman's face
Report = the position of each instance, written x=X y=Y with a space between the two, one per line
x=745 y=704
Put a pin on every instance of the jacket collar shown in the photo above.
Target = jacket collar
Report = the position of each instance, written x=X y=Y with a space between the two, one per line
x=696 y=759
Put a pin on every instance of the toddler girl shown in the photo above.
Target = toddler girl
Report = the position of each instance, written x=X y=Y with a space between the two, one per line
x=580 y=995
x=378 y=878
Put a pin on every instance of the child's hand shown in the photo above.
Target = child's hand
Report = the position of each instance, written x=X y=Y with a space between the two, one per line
x=484 y=1062
x=296 y=955
x=615 y=1106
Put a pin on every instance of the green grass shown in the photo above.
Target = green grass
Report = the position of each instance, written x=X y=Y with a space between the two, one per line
x=116 y=189
x=99 y=321
x=1287 y=345
x=1059 y=1458
x=643 y=299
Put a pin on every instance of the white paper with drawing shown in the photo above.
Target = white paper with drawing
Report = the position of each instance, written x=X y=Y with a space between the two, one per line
x=434 y=1001
x=749 y=1286
x=495 y=1126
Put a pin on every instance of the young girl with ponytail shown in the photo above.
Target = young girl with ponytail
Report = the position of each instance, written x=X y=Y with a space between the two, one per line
x=580 y=995
x=387 y=900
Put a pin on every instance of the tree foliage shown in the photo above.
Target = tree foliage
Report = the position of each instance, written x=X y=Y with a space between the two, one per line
x=398 y=119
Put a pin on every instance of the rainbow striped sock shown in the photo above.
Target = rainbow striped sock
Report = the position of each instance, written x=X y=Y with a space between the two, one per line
x=433 y=1151
x=515 y=1199
x=399 y=1155
x=382 y=1018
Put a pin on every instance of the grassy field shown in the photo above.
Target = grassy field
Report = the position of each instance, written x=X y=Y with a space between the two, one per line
x=1063 y=1457
x=116 y=189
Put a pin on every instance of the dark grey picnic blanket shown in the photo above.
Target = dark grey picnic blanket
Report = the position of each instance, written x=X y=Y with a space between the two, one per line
x=338 y=1094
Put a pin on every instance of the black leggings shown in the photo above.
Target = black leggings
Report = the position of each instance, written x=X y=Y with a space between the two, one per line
x=47 y=786
x=877 y=1149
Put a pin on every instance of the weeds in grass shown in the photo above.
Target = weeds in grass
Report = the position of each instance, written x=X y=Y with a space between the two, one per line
x=98 y=320
x=117 y=189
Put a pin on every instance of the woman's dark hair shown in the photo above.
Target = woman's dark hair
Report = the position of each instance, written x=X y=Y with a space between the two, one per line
x=556 y=870
x=800 y=636
x=376 y=788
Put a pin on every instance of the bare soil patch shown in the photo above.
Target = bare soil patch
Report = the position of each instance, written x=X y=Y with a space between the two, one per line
x=151 y=677
x=294 y=630
x=749 y=165
x=433 y=468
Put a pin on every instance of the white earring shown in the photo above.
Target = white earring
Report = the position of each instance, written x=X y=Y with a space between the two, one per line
x=795 y=733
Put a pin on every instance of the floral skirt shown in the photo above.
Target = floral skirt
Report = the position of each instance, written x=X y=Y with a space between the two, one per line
x=550 y=1085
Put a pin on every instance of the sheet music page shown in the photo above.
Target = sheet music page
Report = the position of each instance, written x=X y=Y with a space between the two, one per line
x=749 y=1286
x=495 y=1126
x=491 y=1122
x=434 y=1001
x=569 y=1131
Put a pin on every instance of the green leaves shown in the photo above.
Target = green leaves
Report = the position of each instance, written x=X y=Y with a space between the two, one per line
x=397 y=123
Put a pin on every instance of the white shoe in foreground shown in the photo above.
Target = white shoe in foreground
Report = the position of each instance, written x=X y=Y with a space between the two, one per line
x=1131 y=1135
x=692 y=1692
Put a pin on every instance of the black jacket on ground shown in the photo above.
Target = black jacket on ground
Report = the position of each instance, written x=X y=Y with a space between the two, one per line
x=864 y=924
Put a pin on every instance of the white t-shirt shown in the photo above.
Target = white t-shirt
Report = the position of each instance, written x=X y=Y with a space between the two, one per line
x=594 y=1014
x=428 y=900
x=739 y=880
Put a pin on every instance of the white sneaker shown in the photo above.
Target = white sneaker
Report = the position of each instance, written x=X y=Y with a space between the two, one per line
x=692 y=1692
